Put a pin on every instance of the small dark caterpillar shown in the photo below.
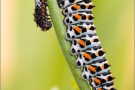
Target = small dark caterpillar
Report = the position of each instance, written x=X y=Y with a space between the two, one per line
x=81 y=32
x=41 y=16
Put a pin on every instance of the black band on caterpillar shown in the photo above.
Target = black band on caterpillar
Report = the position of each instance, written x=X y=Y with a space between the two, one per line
x=85 y=43
x=41 y=16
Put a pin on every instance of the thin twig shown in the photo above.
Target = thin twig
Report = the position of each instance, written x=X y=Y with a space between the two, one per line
x=65 y=45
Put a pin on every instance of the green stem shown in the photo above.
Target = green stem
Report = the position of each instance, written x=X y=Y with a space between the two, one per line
x=65 y=45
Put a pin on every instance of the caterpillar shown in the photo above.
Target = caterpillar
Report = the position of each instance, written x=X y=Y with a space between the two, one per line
x=41 y=16
x=85 y=44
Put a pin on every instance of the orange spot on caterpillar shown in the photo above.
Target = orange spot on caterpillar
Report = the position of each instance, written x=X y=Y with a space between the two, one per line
x=102 y=66
x=92 y=68
x=81 y=42
x=77 y=16
x=87 y=17
x=77 y=29
x=87 y=6
x=96 y=53
x=97 y=80
x=106 y=79
x=76 y=6
x=87 y=56
x=99 y=89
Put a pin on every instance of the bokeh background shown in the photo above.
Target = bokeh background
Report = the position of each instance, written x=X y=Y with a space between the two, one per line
x=32 y=59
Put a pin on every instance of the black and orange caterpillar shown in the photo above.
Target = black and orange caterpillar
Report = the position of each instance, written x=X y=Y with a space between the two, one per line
x=85 y=43
x=41 y=16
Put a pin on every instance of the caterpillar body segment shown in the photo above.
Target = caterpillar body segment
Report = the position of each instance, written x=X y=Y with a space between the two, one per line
x=78 y=17
x=82 y=43
x=97 y=67
x=78 y=7
x=90 y=55
x=107 y=86
x=80 y=29
x=100 y=79
x=65 y=3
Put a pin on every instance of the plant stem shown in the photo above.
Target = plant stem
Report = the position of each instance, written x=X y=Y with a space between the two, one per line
x=65 y=45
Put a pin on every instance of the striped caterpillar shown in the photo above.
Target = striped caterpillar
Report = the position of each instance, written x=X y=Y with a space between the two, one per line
x=41 y=16
x=81 y=32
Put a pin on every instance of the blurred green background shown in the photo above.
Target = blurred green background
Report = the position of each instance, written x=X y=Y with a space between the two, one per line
x=32 y=59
